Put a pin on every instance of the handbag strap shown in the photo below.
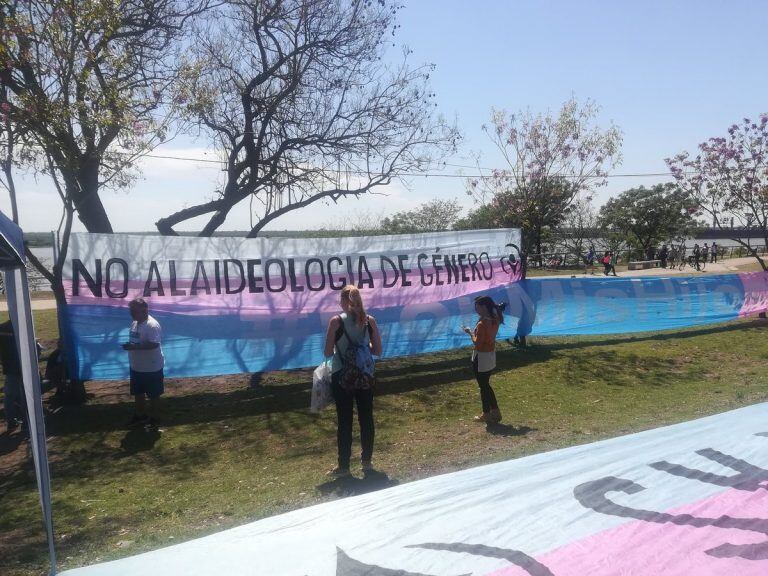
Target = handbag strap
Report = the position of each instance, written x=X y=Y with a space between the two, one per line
x=349 y=338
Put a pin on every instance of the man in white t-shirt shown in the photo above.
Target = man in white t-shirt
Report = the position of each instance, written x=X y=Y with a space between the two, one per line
x=145 y=356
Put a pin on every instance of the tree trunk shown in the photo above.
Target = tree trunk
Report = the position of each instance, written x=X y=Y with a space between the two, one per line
x=83 y=188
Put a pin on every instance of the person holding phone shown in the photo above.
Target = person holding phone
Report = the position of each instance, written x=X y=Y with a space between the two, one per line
x=145 y=356
x=484 y=354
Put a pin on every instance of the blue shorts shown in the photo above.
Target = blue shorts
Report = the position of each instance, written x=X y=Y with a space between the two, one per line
x=149 y=383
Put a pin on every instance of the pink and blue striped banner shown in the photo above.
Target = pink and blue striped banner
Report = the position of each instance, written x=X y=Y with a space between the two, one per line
x=683 y=500
x=230 y=305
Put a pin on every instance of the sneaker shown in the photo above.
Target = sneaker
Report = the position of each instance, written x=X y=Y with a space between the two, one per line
x=366 y=465
x=138 y=420
x=494 y=416
x=338 y=472
x=481 y=417
x=152 y=423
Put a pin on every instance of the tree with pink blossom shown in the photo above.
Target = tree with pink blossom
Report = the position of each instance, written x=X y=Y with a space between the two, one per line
x=549 y=160
x=728 y=178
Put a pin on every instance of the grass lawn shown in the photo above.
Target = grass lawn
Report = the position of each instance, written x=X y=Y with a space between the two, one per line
x=37 y=295
x=234 y=449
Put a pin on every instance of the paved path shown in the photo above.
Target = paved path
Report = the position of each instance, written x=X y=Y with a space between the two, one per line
x=723 y=267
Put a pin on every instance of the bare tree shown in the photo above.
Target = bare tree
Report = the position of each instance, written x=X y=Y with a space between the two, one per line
x=299 y=102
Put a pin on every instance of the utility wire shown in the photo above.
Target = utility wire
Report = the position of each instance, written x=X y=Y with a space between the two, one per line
x=420 y=174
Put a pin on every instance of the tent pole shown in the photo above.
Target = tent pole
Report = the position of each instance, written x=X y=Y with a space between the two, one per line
x=20 y=312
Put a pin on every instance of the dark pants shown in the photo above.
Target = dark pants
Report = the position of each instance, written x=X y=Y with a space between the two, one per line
x=487 y=397
x=608 y=269
x=344 y=407
x=14 y=401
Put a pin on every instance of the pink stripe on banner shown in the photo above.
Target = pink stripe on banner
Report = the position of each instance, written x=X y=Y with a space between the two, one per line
x=755 y=293
x=645 y=548
x=286 y=301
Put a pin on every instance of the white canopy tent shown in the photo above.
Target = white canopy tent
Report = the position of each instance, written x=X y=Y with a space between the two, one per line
x=20 y=312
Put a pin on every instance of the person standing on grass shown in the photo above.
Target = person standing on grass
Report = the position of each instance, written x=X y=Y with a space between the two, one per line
x=145 y=355
x=484 y=354
x=13 y=388
x=350 y=330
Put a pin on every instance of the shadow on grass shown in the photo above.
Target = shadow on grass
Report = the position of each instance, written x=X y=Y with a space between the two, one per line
x=353 y=486
x=139 y=440
x=395 y=376
x=508 y=430
x=267 y=399
x=10 y=442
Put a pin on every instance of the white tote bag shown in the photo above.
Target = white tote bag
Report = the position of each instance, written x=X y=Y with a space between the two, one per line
x=321 y=387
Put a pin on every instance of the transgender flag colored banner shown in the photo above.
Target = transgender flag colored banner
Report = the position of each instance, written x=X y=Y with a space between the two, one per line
x=231 y=305
x=683 y=500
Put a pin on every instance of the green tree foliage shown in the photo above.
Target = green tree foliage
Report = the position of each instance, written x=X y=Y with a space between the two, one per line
x=432 y=216
x=646 y=217
x=579 y=228
x=538 y=209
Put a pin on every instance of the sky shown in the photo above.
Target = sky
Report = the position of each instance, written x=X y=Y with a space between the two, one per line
x=669 y=74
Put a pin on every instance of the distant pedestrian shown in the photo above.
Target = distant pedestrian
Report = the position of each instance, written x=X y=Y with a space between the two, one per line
x=484 y=354
x=697 y=257
x=713 y=252
x=13 y=388
x=589 y=260
x=145 y=356
x=663 y=255
x=705 y=254
x=350 y=335
x=608 y=266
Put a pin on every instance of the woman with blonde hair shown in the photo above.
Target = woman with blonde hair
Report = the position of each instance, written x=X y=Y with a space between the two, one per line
x=353 y=338
x=484 y=354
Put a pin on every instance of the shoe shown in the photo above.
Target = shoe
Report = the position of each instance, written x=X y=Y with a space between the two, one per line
x=366 y=466
x=339 y=472
x=481 y=417
x=138 y=420
x=494 y=416
x=152 y=423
